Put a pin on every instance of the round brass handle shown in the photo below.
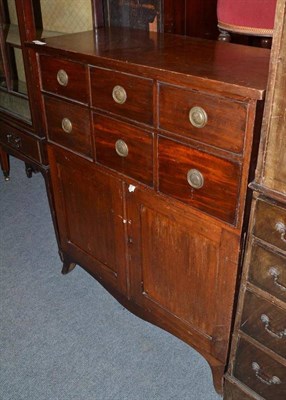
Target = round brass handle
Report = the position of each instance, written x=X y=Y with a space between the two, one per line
x=66 y=125
x=121 y=148
x=119 y=94
x=198 y=117
x=195 y=179
x=62 y=77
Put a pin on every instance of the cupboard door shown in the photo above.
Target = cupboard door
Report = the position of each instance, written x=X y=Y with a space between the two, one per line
x=89 y=211
x=182 y=269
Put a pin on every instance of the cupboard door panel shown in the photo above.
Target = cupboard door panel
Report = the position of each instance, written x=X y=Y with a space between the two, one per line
x=180 y=268
x=89 y=212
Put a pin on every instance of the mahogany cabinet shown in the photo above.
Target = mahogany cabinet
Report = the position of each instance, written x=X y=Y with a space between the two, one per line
x=150 y=141
x=257 y=368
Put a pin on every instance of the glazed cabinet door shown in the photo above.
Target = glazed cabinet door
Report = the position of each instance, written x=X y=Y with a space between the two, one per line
x=183 y=270
x=89 y=211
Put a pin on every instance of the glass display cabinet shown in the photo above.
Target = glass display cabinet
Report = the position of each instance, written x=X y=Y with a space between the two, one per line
x=20 y=122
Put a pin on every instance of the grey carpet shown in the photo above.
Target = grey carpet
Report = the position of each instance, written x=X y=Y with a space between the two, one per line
x=65 y=338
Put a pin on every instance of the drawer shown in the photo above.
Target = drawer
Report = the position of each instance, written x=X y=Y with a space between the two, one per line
x=22 y=142
x=208 y=119
x=126 y=95
x=234 y=390
x=270 y=224
x=265 y=322
x=199 y=179
x=69 y=125
x=259 y=371
x=64 y=78
x=124 y=148
x=268 y=271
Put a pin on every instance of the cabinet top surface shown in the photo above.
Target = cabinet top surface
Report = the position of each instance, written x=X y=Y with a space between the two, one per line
x=237 y=69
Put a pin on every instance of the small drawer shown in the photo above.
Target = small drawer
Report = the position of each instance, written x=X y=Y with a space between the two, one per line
x=124 y=148
x=22 y=142
x=270 y=224
x=268 y=272
x=259 y=371
x=208 y=119
x=64 y=78
x=264 y=322
x=69 y=125
x=199 y=179
x=126 y=95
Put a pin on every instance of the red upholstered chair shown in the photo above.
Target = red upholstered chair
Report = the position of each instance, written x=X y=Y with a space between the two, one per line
x=246 y=17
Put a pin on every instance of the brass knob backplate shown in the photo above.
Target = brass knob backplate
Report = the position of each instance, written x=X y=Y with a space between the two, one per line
x=195 y=179
x=66 y=125
x=121 y=148
x=62 y=77
x=198 y=117
x=119 y=94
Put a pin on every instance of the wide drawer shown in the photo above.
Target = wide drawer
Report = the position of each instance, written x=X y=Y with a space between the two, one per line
x=259 y=371
x=64 y=78
x=199 y=179
x=264 y=322
x=126 y=95
x=22 y=142
x=268 y=271
x=69 y=125
x=124 y=148
x=209 y=119
x=270 y=224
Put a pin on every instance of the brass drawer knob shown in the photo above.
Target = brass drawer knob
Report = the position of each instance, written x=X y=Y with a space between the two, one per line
x=198 y=117
x=195 y=178
x=262 y=377
x=62 y=77
x=281 y=228
x=66 y=125
x=121 y=148
x=119 y=94
x=14 y=140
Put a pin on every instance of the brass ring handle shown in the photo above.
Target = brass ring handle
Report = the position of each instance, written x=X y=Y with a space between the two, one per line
x=195 y=179
x=66 y=125
x=198 y=117
x=274 y=380
x=275 y=273
x=62 y=77
x=281 y=228
x=119 y=94
x=121 y=148
x=266 y=322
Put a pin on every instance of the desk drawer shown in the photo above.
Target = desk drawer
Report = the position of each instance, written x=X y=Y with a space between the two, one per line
x=69 y=125
x=268 y=272
x=126 y=95
x=223 y=121
x=124 y=148
x=270 y=224
x=199 y=179
x=259 y=371
x=64 y=78
x=264 y=322
x=22 y=142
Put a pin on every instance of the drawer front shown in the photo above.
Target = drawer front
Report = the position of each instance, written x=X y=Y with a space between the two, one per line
x=69 y=125
x=259 y=371
x=122 y=94
x=235 y=391
x=182 y=170
x=270 y=224
x=65 y=78
x=124 y=148
x=264 y=322
x=209 y=119
x=20 y=141
x=268 y=272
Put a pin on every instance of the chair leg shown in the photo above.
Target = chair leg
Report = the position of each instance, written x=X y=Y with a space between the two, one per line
x=224 y=36
x=5 y=164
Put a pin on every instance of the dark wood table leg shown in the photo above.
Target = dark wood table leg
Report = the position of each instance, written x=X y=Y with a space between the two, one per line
x=5 y=164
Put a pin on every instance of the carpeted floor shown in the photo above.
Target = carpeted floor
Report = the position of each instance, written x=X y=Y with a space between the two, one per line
x=66 y=338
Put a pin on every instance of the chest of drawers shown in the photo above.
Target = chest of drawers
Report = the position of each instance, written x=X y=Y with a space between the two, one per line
x=150 y=142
